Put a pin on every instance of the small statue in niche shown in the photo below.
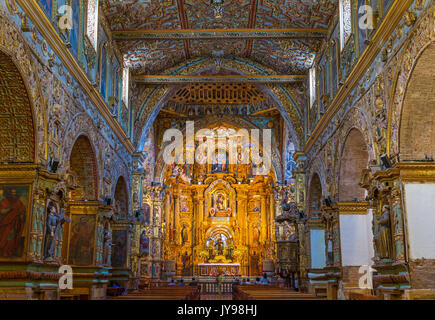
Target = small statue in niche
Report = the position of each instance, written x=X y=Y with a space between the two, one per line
x=383 y=238
x=184 y=235
x=330 y=252
x=107 y=244
x=54 y=221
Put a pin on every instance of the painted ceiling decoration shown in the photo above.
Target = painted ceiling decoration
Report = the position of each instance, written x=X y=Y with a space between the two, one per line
x=216 y=93
x=253 y=28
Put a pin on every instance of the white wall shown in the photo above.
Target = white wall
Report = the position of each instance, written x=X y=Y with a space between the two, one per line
x=420 y=214
x=356 y=239
x=317 y=248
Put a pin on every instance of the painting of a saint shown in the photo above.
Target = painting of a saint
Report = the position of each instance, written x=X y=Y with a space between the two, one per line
x=184 y=235
x=119 y=248
x=144 y=248
x=82 y=240
x=13 y=208
x=220 y=202
x=146 y=211
x=220 y=162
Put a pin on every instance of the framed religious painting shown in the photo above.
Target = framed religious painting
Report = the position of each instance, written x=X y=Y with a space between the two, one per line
x=82 y=240
x=15 y=204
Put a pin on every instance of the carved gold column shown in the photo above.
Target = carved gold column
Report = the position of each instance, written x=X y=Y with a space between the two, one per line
x=271 y=231
x=242 y=210
x=263 y=217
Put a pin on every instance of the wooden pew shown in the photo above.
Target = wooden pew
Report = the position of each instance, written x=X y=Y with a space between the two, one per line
x=260 y=292
x=164 y=293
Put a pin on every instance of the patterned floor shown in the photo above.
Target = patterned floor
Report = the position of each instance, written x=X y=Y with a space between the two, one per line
x=226 y=296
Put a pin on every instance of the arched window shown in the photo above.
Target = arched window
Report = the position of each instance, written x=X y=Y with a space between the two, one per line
x=92 y=22
x=312 y=86
x=345 y=21
x=125 y=85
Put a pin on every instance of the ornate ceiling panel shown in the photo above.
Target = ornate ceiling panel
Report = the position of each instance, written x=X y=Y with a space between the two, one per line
x=150 y=57
x=217 y=48
x=285 y=57
x=201 y=14
x=294 y=13
x=142 y=14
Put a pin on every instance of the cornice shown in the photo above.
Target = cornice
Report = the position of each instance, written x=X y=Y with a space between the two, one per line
x=351 y=208
x=44 y=26
x=417 y=171
x=365 y=60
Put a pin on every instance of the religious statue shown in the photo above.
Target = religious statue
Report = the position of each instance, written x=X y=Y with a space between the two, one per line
x=383 y=238
x=184 y=235
x=53 y=223
x=144 y=244
x=220 y=202
x=256 y=235
x=107 y=244
x=330 y=253
x=185 y=259
x=219 y=244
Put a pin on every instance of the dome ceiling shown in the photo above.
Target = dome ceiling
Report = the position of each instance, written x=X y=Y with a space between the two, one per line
x=157 y=35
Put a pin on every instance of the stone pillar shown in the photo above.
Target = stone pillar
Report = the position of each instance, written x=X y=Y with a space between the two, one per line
x=156 y=239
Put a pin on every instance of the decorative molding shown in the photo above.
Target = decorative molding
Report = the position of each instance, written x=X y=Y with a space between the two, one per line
x=187 y=79
x=196 y=34
x=346 y=208
x=417 y=171
x=46 y=29
x=365 y=60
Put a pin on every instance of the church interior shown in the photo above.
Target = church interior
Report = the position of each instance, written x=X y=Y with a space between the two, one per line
x=212 y=143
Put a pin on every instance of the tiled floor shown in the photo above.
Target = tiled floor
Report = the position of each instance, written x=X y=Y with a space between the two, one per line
x=226 y=296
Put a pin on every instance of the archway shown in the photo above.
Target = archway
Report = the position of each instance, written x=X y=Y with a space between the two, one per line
x=317 y=234
x=17 y=137
x=417 y=149
x=84 y=167
x=417 y=125
x=315 y=196
x=356 y=235
x=354 y=158
x=17 y=145
x=121 y=198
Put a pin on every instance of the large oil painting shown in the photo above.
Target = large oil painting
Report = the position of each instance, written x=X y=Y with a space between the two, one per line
x=119 y=248
x=14 y=202
x=82 y=240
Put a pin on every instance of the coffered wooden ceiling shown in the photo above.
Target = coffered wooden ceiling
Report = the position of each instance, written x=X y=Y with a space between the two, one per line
x=283 y=35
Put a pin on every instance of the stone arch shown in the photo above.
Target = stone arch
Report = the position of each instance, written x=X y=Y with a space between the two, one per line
x=354 y=158
x=84 y=166
x=152 y=99
x=121 y=198
x=13 y=45
x=314 y=196
x=406 y=62
x=417 y=123
x=17 y=131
